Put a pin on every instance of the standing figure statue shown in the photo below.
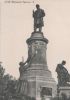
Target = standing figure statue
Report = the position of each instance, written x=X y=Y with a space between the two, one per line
x=63 y=75
x=38 y=18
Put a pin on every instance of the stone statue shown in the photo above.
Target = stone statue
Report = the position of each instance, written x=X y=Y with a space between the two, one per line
x=38 y=18
x=23 y=64
x=63 y=75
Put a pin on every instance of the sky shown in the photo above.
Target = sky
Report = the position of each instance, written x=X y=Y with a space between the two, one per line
x=16 y=26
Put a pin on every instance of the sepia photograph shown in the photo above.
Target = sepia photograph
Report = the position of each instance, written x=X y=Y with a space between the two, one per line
x=34 y=50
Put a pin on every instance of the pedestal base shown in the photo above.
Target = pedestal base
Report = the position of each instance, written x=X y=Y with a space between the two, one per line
x=40 y=82
x=37 y=81
x=64 y=90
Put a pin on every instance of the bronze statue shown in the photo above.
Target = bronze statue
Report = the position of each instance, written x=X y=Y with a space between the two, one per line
x=38 y=18
x=63 y=75
x=23 y=65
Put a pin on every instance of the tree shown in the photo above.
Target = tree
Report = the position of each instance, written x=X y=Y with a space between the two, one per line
x=7 y=85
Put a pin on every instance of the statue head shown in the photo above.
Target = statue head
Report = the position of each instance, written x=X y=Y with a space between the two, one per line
x=63 y=62
x=37 y=6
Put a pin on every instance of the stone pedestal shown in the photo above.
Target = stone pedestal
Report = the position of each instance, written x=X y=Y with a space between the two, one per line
x=64 y=90
x=37 y=75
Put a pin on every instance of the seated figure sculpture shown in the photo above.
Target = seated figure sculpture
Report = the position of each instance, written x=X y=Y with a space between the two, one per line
x=63 y=75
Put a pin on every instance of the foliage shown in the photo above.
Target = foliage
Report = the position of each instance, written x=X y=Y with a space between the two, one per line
x=7 y=85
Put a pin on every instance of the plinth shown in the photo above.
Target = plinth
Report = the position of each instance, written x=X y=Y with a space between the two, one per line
x=64 y=90
x=37 y=76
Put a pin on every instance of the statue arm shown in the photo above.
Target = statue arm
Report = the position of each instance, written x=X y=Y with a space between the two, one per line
x=33 y=13
x=65 y=70
x=57 y=68
x=43 y=13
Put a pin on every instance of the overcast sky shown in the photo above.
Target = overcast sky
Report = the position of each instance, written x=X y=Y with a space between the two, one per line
x=16 y=26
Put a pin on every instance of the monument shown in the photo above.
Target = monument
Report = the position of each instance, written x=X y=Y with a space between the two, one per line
x=38 y=18
x=35 y=78
x=63 y=80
